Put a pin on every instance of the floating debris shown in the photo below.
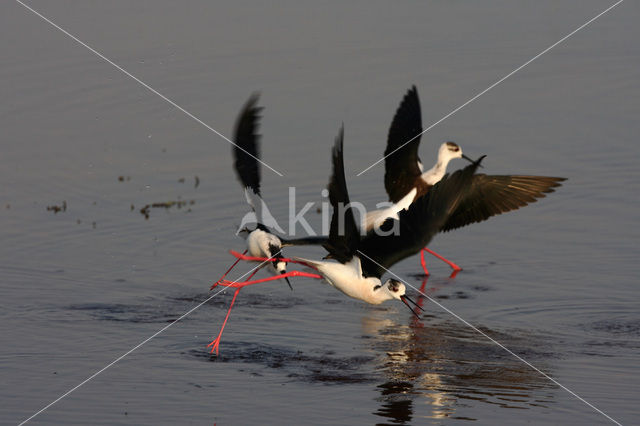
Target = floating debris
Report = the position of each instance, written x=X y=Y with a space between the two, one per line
x=124 y=178
x=145 y=211
x=55 y=209
x=181 y=180
x=165 y=205
x=132 y=207
x=8 y=206
x=197 y=179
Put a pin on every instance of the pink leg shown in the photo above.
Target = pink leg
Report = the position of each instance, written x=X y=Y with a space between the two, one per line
x=448 y=262
x=241 y=284
x=423 y=262
x=238 y=285
x=228 y=270
x=253 y=273
x=216 y=342
x=455 y=267
x=243 y=256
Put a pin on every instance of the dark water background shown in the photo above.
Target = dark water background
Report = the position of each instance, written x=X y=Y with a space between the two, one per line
x=556 y=282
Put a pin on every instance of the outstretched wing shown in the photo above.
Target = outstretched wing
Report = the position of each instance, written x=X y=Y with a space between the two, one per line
x=493 y=195
x=344 y=235
x=416 y=226
x=401 y=154
x=246 y=150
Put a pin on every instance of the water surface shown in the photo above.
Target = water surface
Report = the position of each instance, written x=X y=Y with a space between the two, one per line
x=556 y=282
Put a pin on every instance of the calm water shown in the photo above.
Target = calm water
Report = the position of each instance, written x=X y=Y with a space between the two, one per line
x=556 y=282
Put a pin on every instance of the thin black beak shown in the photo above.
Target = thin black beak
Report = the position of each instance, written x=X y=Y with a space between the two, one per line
x=469 y=159
x=404 y=300
x=287 y=280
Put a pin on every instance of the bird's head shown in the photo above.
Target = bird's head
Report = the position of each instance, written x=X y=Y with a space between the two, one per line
x=450 y=150
x=394 y=289
x=281 y=268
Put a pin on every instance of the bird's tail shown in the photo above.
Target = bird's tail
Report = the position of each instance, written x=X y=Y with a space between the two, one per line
x=313 y=264
x=306 y=241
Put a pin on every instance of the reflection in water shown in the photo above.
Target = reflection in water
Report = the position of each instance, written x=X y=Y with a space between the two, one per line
x=395 y=402
x=448 y=366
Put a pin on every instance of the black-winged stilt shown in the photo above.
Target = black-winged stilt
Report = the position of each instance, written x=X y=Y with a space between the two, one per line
x=261 y=242
x=360 y=261
x=488 y=196
x=363 y=259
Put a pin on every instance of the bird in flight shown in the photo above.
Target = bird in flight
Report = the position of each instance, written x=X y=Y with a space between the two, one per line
x=261 y=242
x=489 y=195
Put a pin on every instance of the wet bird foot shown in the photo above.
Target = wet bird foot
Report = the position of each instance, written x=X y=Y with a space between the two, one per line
x=215 y=344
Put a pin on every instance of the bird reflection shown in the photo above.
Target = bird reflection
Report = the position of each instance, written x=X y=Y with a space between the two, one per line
x=446 y=366
x=395 y=404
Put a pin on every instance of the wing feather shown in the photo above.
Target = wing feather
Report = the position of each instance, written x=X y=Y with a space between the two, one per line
x=344 y=235
x=401 y=158
x=494 y=195
x=246 y=150
x=417 y=225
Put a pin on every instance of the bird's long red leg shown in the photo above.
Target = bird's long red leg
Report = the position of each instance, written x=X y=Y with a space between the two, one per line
x=228 y=270
x=241 y=284
x=243 y=256
x=448 y=262
x=216 y=342
x=455 y=267
x=423 y=262
x=238 y=285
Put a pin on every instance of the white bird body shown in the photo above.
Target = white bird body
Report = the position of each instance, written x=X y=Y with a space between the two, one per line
x=375 y=218
x=347 y=277
x=346 y=273
x=447 y=152
x=264 y=244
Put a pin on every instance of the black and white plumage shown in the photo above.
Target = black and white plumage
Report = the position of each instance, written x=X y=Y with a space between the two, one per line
x=362 y=260
x=246 y=152
x=488 y=196
x=404 y=177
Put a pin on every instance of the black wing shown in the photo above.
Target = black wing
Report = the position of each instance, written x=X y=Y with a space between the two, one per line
x=401 y=158
x=305 y=241
x=417 y=225
x=246 y=150
x=344 y=235
x=493 y=195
